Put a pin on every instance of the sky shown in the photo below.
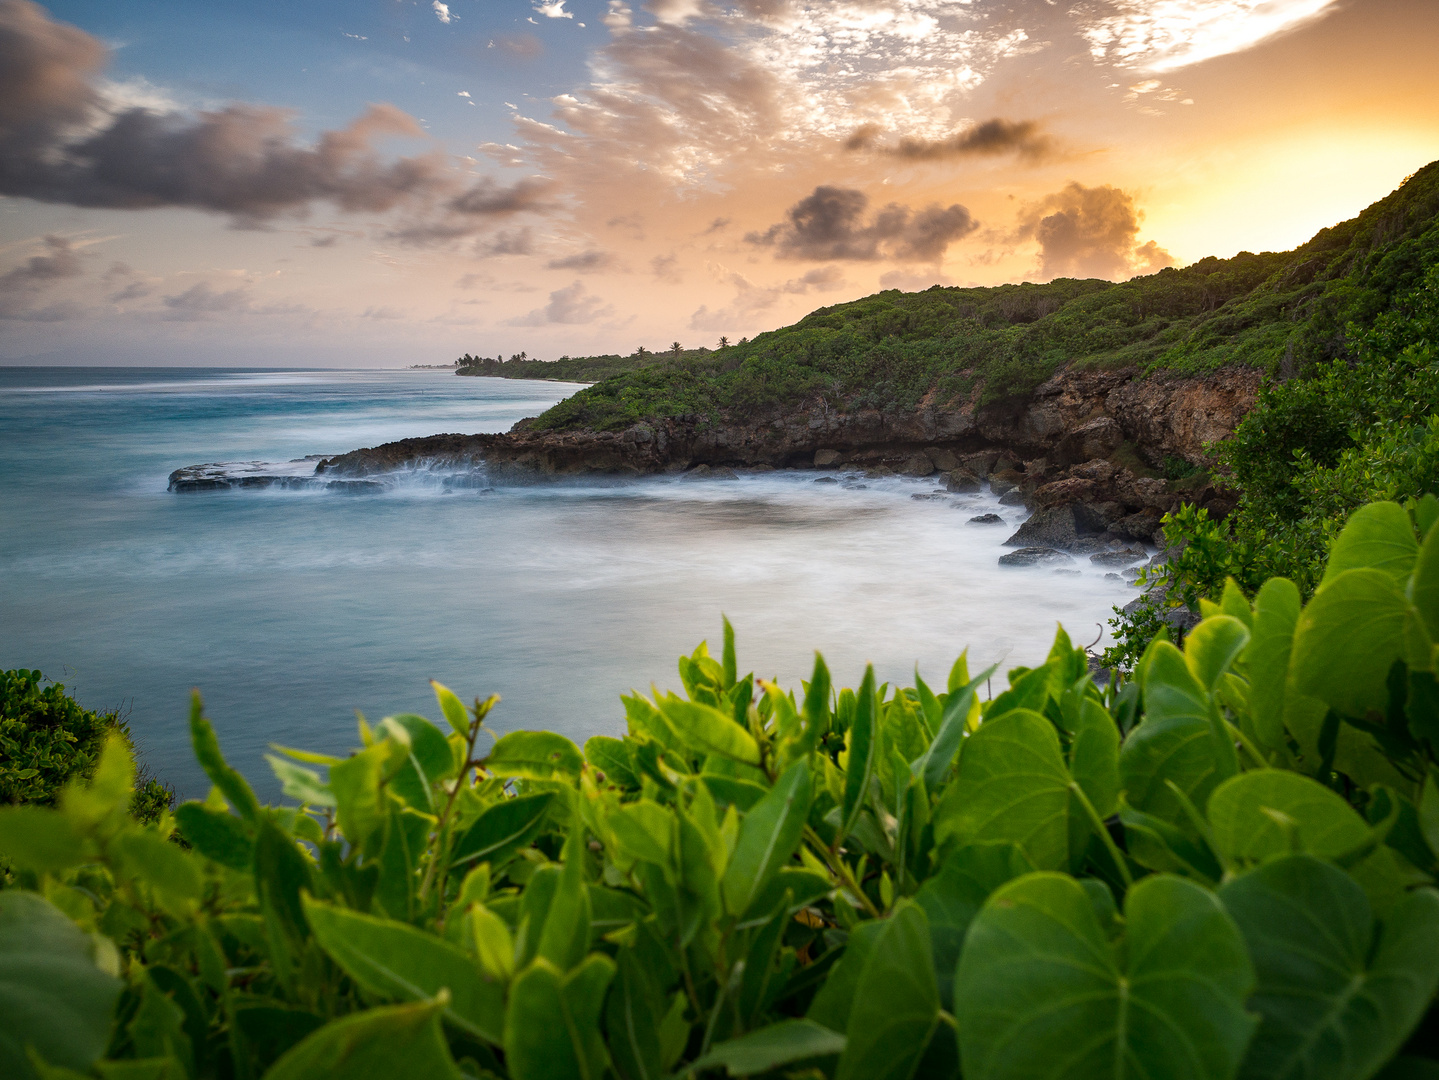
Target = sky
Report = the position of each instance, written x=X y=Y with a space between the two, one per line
x=392 y=182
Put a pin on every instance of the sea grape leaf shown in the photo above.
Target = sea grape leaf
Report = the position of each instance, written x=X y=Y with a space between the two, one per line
x=401 y=963
x=216 y=834
x=1376 y=537
x=768 y=836
x=952 y=898
x=376 y=1044
x=834 y=1001
x=1276 y=614
x=1178 y=749
x=707 y=729
x=1042 y=992
x=782 y=1043
x=1348 y=638
x=863 y=742
x=1244 y=827
x=552 y=1027
x=893 y=1016
x=53 y=995
x=429 y=759
x=1013 y=786
x=1212 y=646
x=1335 y=1003
x=612 y=757
x=535 y=755
x=502 y=829
x=1094 y=756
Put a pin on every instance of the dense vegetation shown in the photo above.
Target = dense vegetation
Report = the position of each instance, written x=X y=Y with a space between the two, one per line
x=47 y=740
x=1221 y=868
x=565 y=369
x=1280 y=312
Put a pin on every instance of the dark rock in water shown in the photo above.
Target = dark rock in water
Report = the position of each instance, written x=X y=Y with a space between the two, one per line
x=1051 y=527
x=1034 y=556
x=1001 y=486
x=1013 y=497
x=962 y=482
x=928 y=496
x=1088 y=545
x=986 y=519
x=981 y=463
x=760 y=468
x=918 y=465
x=1120 y=557
x=827 y=459
x=706 y=472
x=1070 y=573
x=826 y=480
x=944 y=460
x=879 y=471
x=1112 y=576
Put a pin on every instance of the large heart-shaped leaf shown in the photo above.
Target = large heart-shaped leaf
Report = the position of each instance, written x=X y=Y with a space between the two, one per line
x=1276 y=613
x=1042 y=993
x=535 y=755
x=770 y=1047
x=1012 y=786
x=1256 y=815
x=53 y=997
x=1335 y=1003
x=1377 y=537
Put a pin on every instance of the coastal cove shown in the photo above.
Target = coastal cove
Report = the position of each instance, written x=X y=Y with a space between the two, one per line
x=290 y=608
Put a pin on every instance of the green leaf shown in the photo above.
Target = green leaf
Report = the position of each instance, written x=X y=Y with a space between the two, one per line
x=891 y=1020
x=768 y=837
x=1012 y=786
x=1276 y=614
x=455 y=713
x=612 y=757
x=1042 y=993
x=167 y=868
x=565 y=936
x=1349 y=636
x=376 y=1044
x=730 y=665
x=952 y=898
x=835 y=1000
x=1244 y=827
x=552 y=1028
x=1094 y=756
x=53 y=997
x=361 y=809
x=400 y=963
x=429 y=759
x=1377 y=537
x=782 y=1043
x=282 y=874
x=535 y=755
x=935 y=761
x=863 y=744
x=207 y=752
x=1424 y=587
x=705 y=728
x=40 y=839
x=216 y=834
x=1212 y=646
x=633 y=1011
x=503 y=829
x=1335 y=1002
x=299 y=783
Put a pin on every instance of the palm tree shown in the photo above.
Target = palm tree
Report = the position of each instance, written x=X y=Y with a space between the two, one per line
x=676 y=348
x=724 y=343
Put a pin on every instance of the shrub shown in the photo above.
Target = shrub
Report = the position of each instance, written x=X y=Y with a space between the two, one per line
x=48 y=739
x=1220 y=868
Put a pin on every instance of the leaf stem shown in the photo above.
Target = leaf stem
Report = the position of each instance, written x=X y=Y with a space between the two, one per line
x=1098 y=823
x=840 y=870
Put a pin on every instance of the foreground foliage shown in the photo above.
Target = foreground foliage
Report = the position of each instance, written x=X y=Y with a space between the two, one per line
x=1281 y=312
x=1221 y=868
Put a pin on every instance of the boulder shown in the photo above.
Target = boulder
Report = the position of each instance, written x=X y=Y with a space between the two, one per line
x=826 y=480
x=981 y=464
x=986 y=519
x=962 y=482
x=917 y=465
x=1072 y=490
x=1144 y=526
x=1119 y=557
x=944 y=460
x=880 y=470
x=707 y=472
x=827 y=459
x=1098 y=469
x=1096 y=517
x=1034 y=556
x=1052 y=527
x=1098 y=438
x=1001 y=486
x=1014 y=497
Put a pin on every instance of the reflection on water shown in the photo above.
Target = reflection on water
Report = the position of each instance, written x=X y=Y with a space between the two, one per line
x=291 y=609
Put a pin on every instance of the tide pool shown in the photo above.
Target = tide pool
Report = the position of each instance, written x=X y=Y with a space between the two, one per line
x=290 y=610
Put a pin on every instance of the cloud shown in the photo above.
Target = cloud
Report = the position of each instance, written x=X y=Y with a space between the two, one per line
x=820 y=279
x=508 y=242
x=666 y=268
x=553 y=9
x=570 y=306
x=22 y=286
x=66 y=138
x=202 y=300
x=830 y=223
x=719 y=224
x=1089 y=232
x=1163 y=35
x=584 y=261
x=474 y=210
x=518 y=46
x=991 y=138
x=442 y=11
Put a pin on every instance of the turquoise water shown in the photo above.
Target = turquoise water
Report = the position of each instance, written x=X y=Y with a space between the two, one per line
x=292 y=609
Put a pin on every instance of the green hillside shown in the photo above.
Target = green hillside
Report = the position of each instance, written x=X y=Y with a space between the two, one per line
x=1280 y=312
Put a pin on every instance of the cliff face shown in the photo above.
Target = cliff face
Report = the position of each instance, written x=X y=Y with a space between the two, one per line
x=1075 y=417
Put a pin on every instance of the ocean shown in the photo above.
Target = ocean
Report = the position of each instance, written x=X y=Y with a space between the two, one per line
x=291 y=609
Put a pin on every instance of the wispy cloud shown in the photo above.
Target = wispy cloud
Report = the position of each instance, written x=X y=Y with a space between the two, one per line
x=442 y=11
x=571 y=305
